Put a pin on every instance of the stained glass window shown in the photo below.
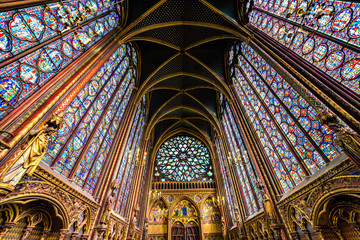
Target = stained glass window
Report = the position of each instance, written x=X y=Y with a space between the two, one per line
x=142 y=199
x=183 y=158
x=324 y=33
x=80 y=148
x=245 y=171
x=227 y=182
x=294 y=141
x=36 y=43
x=129 y=160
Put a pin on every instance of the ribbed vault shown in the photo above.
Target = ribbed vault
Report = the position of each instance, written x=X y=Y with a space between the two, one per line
x=182 y=46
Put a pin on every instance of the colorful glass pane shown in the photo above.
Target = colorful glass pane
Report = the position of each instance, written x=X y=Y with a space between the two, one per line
x=86 y=98
x=243 y=163
x=265 y=95
x=228 y=186
x=9 y=89
x=29 y=74
x=131 y=156
x=298 y=40
x=334 y=60
x=5 y=41
x=25 y=28
x=183 y=158
x=338 y=20
x=50 y=60
x=354 y=29
x=50 y=20
x=101 y=138
x=320 y=52
x=67 y=49
x=94 y=117
x=342 y=19
x=308 y=46
x=351 y=70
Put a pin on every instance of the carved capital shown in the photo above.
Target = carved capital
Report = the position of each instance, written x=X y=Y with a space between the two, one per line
x=5 y=227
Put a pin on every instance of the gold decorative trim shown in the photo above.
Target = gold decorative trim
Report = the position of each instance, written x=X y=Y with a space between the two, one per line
x=155 y=40
x=207 y=40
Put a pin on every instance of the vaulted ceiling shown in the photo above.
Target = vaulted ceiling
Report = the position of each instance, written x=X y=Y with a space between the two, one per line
x=182 y=47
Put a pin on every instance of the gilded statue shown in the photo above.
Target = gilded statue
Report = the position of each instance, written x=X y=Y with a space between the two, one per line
x=109 y=203
x=28 y=156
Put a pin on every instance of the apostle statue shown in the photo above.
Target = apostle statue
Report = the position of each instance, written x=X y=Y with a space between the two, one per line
x=109 y=203
x=346 y=138
x=29 y=155
x=268 y=209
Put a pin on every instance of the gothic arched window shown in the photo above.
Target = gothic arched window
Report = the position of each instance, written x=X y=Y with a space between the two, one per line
x=37 y=42
x=326 y=34
x=183 y=158
x=239 y=154
x=228 y=186
x=129 y=160
x=294 y=141
x=80 y=148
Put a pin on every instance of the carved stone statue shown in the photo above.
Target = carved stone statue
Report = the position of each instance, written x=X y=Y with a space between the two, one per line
x=133 y=224
x=109 y=203
x=345 y=137
x=28 y=157
x=268 y=209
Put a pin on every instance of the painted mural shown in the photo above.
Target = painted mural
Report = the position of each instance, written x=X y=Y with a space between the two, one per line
x=210 y=212
x=184 y=209
x=158 y=213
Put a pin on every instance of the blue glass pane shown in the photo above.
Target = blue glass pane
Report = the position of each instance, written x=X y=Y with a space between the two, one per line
x=183 y=158
x=339 y=20
x=24 y=29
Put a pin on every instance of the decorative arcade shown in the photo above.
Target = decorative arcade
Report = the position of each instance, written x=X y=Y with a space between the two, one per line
x=179 y=120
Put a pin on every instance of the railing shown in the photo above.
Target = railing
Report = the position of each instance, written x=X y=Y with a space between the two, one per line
x=183 y=185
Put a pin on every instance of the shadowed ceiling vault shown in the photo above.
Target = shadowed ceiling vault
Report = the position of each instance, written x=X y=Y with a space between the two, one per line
x=182 y=45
